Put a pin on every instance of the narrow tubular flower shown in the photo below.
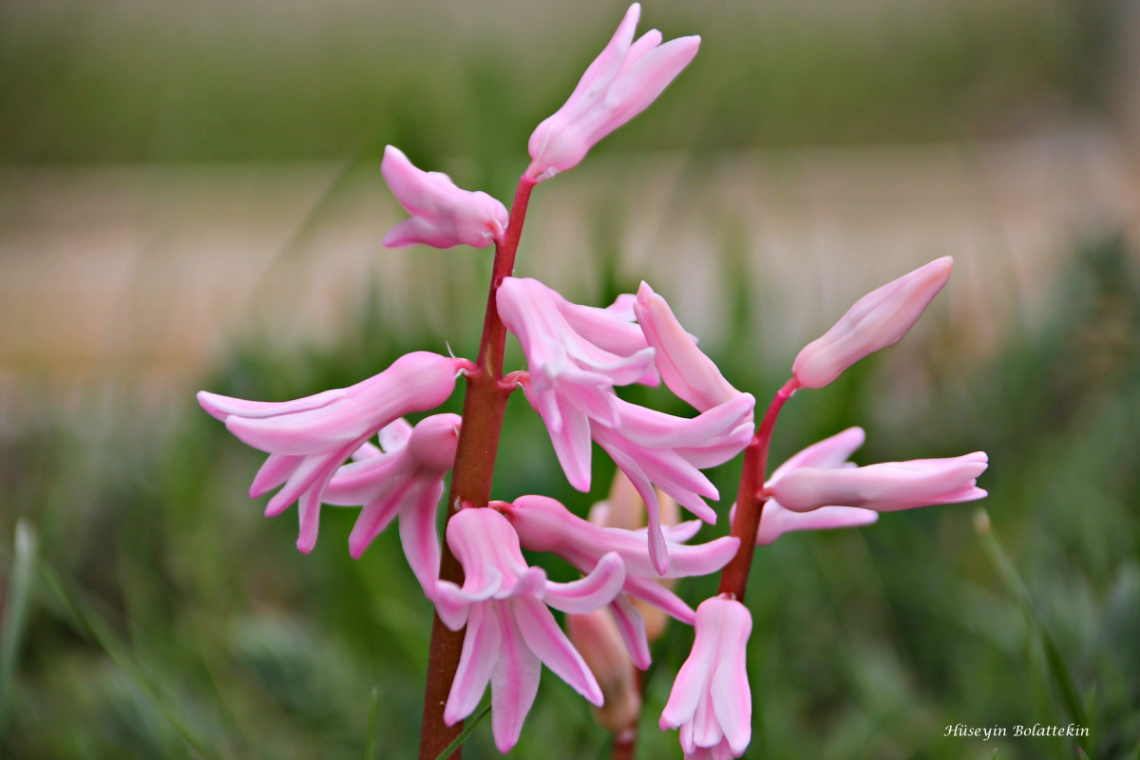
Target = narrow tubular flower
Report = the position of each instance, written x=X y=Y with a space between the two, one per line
x=876 y=321
x=710 y=701
x=621 y=83
x=684 y=368
x=575 y=356
x=885 y=487
x=544 y=524
x=442 y=214
x=406 y=479
x=652 y=447
x=510 y=631
x=309 y=438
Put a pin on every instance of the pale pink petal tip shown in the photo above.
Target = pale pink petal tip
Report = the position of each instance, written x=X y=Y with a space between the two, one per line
x=443 y=215
x=710 y=701
x=876 y=321
x=621 y=83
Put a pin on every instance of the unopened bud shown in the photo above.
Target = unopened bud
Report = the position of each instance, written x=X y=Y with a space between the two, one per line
x=597 y=639
x=877 y=320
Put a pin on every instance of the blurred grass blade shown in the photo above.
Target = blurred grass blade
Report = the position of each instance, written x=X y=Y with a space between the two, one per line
x=373 y=724
x=1058 y=669
x=16 y=612
x=87 y=620
x=468 y=729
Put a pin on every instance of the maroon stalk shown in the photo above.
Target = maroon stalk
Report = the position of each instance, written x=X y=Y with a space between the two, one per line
x=749 y=502
x=483 y=407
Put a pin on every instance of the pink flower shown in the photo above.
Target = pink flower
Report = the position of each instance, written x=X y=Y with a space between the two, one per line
x=652 y=447
x=819 y=477
x=710 y=701
x=831 y=452
x=684 y=368
x=442 y=215
x=877 y=320
x=618 y=85
x=575 y=355
x=545 y=525
x=309 y=438
x=405 y=480
x=509 y=629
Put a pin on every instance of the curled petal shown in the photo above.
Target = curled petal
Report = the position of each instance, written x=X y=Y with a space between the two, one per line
x=592 y=592
x=442 y=214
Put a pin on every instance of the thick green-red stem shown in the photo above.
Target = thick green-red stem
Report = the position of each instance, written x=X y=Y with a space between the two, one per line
x=483 y=407
x=749 y=503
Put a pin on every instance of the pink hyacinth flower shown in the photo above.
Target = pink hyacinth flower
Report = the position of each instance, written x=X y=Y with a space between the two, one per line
x=684 y=367
x=544 y=524
x=831 y=452
x=406 y=479
x=710 y=701
x=885 y=487
x=510 y=631
x=876 y=321
x=575 y=356
x=621 y=83
x=442 y=214
x=309 y=438
x=652 y=447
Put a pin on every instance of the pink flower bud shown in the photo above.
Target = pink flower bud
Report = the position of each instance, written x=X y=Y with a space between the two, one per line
x=684 y=368
x=442 y=215
x=711 y=702
x=618 y=85
x=877 y=320
x=886 y=487
x=597 y=639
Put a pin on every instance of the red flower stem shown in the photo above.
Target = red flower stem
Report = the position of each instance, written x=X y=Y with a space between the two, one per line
x=483 y=407
x=749 y=503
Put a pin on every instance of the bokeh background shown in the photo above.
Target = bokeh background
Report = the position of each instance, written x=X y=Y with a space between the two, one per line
x=190 y=198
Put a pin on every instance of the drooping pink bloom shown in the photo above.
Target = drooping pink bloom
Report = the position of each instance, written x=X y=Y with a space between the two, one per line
x=876 y=321
x=309 y=438
x=510 y=631
x=710 y=701
x=406 y=479
x=684 y=367
x=575 y=356
x=621 y=83
x=652 y=447
x=884 y=487
x=442 y=214
x=544 y=524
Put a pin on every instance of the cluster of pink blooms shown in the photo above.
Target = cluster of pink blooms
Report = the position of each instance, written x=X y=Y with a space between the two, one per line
x=322 y=451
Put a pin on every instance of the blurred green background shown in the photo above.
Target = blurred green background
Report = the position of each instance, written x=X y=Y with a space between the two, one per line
x=190 y=198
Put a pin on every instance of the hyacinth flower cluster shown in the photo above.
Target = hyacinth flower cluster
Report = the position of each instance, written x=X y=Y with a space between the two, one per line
x=353 y=447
